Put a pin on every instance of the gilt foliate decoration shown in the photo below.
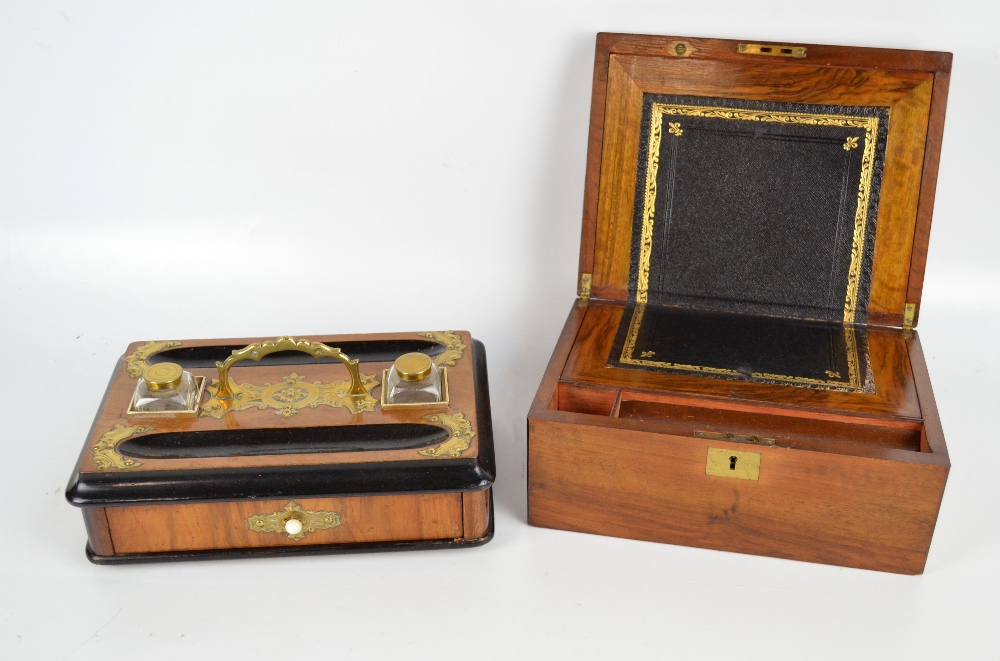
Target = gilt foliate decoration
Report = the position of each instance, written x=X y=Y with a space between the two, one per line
x=290 y=395
x=294 y=521
x=105 y=451
x=454 y=348
x=461 y=435
x=136 y=363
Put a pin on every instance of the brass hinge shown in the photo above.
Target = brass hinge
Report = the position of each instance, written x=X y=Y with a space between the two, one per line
x=735 y=438
x=773 y=50
x=909 y=311
x=585 y=285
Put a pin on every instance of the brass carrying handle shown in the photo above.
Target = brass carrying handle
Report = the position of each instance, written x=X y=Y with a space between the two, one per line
x=258 y=351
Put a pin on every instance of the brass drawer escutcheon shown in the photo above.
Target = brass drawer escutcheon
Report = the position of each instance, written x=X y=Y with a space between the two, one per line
x=294 y=521
x=733 y=463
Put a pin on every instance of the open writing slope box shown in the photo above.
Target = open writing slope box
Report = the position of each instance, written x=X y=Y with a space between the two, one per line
x=741 y=370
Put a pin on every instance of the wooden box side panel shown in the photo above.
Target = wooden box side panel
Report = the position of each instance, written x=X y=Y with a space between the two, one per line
x=224 y=525
x=476 y=513
x=547 y=394
x=817 y=507
x=98 y=532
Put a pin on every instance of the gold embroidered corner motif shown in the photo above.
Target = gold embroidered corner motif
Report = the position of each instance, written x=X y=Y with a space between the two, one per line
x=461 y=435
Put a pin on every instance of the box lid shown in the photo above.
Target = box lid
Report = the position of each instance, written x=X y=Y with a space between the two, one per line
x=787 y=180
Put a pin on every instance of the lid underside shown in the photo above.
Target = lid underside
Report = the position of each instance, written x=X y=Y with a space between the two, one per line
x=757 y=208
x=723 y=180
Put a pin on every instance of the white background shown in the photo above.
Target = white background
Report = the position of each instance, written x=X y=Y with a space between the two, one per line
x=282 y=158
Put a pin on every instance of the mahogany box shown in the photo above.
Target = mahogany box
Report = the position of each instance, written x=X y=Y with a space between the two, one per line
x=741 y=369
x=300 y=453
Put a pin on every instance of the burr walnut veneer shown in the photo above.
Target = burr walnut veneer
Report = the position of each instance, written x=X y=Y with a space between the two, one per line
x=293 y=463
x=741 y=370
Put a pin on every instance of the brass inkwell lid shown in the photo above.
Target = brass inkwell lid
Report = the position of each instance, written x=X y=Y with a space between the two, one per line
x=163 y=376
x=413 y=366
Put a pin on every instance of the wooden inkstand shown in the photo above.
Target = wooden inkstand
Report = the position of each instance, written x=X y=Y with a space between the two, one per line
x=741 y=371
x=231 y=448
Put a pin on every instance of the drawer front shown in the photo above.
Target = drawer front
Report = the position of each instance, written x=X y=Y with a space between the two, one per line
x=289 y=522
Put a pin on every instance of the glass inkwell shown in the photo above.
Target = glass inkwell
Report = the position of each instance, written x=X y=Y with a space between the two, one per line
x=414 y=380
x=166 y=389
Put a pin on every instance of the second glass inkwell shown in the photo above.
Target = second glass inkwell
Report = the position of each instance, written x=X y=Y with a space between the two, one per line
x=414 y=380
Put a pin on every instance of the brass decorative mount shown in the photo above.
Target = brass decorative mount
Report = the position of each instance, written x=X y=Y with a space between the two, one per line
x=136 y=364
x=105 y=451
x=294 y=521
x=461 y=435
x=357 y=399
x=454 y=347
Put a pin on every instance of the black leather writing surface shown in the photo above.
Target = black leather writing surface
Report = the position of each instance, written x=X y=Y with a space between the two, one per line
x=753 y=235
x=812 y=354
x=757 y=208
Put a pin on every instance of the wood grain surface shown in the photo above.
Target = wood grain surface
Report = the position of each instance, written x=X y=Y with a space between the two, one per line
x=201 y=526
x=913 y=84
x=98 y=532
x=114 y=407
x=476 y=513
x=814 y=506
x=844 y=486
x=928 y=186
x=853 y=479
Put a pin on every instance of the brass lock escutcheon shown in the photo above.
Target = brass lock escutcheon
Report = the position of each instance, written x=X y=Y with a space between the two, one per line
x=293 y=521
x=356 y=396
x=736 y=464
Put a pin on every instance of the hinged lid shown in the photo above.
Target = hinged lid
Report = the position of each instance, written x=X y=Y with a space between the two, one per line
x=768 y=179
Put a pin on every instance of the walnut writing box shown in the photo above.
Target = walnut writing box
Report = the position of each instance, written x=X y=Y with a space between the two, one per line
x=289 y=447
x=741 y=370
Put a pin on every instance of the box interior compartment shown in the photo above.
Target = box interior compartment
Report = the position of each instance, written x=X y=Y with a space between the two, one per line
x=745 y=423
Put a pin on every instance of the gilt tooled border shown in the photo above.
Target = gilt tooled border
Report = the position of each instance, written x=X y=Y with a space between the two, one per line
x=854 y=381
x=869 y=124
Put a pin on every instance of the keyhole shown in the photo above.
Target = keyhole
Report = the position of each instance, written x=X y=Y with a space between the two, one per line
x=732 y=463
